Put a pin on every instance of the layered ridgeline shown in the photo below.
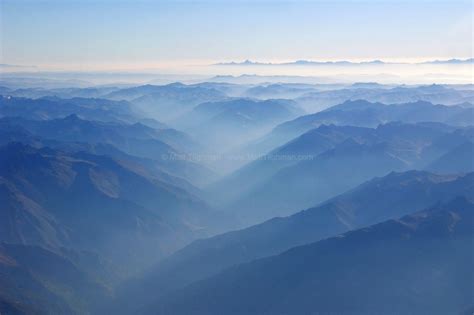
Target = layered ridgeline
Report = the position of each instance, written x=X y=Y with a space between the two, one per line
x=160 y=147
x=373 y=92
x=94 y=188
x=419 y=264
x=167 y=102
x=234 y=122
x=362 y=113
x=333 y=160
x=74 y=128
x=90 y=194
x=403 y=193
x=144 y=166
x=54 y=107
x=281 y=90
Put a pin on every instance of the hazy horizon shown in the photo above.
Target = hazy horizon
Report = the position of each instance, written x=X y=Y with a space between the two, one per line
x=156 y=35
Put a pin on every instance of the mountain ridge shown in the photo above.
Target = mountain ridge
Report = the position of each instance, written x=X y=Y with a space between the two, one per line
x=360 y=271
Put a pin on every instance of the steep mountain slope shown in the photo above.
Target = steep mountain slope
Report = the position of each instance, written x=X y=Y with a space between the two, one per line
x=403 y=193
x=408 y=142
x=458 y=160
x=73 y=128
x=143 y=166
x=307 y=146
x=38 y=281
x=147 y=167
x=371 y=152
x=448 y=142
x=308 y=182
x=51 y=198
x=419 y=264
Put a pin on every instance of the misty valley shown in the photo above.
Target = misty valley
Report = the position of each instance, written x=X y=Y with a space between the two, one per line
x=230 y=196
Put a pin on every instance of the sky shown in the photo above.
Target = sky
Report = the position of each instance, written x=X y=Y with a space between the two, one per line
x=106 y=34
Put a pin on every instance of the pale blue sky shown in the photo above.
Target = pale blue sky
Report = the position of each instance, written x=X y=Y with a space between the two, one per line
x=152 y=32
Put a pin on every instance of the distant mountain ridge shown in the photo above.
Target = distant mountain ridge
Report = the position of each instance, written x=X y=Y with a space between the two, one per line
x=167 y=102
x=341 y=62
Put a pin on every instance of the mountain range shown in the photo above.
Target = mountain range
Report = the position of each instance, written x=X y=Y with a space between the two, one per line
x=53 y=107
x=364 y=114
x=133 y=198
x=56 y=199
x=158 y=146
x=167 y=102
x=437 y=94
x=342 y=63
x=334 y=159
x=404 y=193
x=236 y=121
x=420 y=263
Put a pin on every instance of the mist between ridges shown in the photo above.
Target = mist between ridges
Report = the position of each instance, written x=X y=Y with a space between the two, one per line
x=235 y=157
